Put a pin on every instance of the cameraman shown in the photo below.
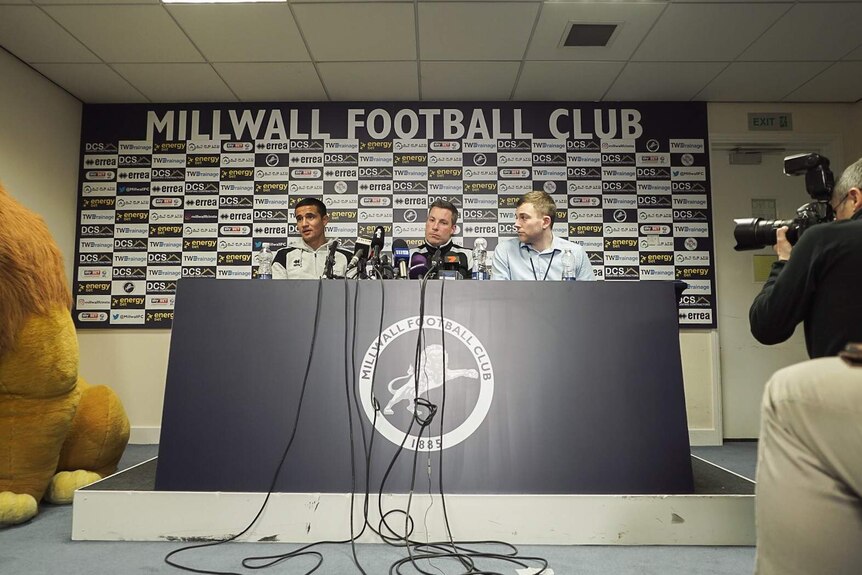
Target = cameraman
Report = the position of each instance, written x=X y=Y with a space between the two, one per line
x=819 y=285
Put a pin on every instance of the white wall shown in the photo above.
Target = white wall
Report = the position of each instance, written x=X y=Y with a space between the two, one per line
x=40 y=139
x=40 y=133
x=134 y=363
x=745 y=365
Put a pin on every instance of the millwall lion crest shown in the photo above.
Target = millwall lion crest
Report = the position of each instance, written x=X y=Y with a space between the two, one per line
x=413 y=375
x=431 y=363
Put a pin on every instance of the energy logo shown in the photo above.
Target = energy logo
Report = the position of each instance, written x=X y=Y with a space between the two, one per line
x=465 y=368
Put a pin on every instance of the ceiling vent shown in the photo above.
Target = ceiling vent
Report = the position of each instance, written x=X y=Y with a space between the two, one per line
x=593 y=35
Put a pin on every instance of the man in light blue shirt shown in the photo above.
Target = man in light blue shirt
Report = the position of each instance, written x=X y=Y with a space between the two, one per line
x=537 y=254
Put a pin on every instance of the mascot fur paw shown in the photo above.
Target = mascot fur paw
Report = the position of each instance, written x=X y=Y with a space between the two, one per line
x=63 y=485
x=51 y=421
x=16 y=508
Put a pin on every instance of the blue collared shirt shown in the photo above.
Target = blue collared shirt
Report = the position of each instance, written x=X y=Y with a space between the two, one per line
x=515 y=260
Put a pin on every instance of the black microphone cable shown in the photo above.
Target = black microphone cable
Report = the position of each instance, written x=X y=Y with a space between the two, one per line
x=350 y=329
x=418 y=550
x=367 y=446
x=392 y=537
x=277 y=473
x=423 y=422
x=452 y=549
x=367 y=443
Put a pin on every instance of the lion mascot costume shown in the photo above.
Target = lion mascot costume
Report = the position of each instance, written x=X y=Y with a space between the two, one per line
x=57 y=433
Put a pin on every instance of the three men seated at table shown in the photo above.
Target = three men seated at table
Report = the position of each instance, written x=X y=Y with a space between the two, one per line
x=536 y=254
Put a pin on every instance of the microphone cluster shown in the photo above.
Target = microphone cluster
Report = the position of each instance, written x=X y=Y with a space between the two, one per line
x=369 y=261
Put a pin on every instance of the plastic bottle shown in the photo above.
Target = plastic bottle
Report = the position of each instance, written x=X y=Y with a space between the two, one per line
x=264 y=262
x=480 y=260
x=568 y=266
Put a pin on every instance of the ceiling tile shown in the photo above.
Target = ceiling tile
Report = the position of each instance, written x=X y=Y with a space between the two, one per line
x=738 y=1
x=177 y=82
x=707 y=32
x=799 y=35
x=370 y=81
x=33 y=36
x=355 y=32
x=573 y=81
x=242 y=32
x=839 y=83
x=127 y=33
x=341 y=1
x=759 y=81
x=747 y=2
x=855 y=54
x=91 y=83
x=635 y=21
x=103 y=2
x=272 y=81
x=470 y=49
x=670 y=81
x=468 y=80
x=475 y=31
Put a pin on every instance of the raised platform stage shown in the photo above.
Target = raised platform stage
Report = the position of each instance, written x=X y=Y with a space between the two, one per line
x=126 y=507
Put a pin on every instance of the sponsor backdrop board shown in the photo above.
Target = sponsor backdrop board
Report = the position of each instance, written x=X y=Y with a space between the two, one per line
x=171 y=191
x=586 y=396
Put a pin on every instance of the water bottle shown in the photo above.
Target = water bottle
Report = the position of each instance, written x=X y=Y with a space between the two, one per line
x=568 y=266
x=264 y=263
x=480 y=260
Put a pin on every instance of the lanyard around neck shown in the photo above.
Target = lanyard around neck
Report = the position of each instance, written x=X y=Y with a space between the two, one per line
x=548 y=269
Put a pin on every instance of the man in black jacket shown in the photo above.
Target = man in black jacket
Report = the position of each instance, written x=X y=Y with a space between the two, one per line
x=439 y=227
x=819 y=285
x=808 y=506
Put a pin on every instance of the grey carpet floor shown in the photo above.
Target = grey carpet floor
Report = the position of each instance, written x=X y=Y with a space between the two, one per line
x=43 y=546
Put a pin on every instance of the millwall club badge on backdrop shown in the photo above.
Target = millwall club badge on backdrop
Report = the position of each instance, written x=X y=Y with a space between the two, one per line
x=393 y=374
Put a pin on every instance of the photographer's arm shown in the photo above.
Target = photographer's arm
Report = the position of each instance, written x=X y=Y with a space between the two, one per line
x=785 y=298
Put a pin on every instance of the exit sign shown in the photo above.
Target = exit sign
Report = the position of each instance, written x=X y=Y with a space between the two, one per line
x=770 y=122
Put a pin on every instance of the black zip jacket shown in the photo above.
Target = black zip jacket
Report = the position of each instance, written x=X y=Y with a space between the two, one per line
x=820 y=285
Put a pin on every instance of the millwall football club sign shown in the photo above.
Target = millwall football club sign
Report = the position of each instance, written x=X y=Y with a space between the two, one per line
x=391 y=373
x=631 y=182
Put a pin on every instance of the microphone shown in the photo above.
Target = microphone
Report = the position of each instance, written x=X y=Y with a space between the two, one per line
x=330 y=260
x=386 y=268
x=401 y=257
x=377 y=242
x=363 y=246
x=436 y=259
x=418 y=266
x=452 y=267
x=434 y=264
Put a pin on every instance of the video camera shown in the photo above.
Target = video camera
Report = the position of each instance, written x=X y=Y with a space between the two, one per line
x=755 y=233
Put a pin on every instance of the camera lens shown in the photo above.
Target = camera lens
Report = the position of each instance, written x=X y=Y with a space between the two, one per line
x=756 y=233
